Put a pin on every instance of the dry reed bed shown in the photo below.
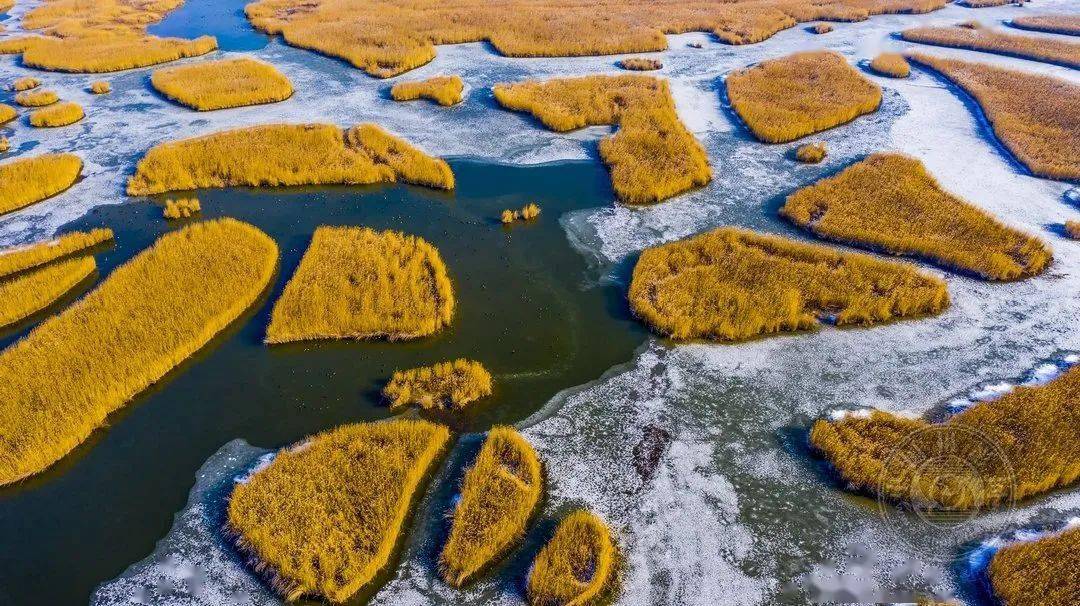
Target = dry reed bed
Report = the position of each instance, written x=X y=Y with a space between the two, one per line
x=222 y=84
x=22 y=258
x=641 y=64
x=286 y=154
x=812 y=153
x=100 y=87
x=29 y=180
x=7 y=114
x=182 y=208
x=1034 y=116
x=36 y=98
x=890 y=203
x=100 y=36
x=1055 y=24
x=393 y=36
x=577 y=566
x=5 y=144
x=28 y=293
x=787 y=98
x=1035 y=433
x=652 y=157
x=56 y=115
x=822 y=28
x=446 y=385
x=1036 y=48
x=499 y=495
x=324 y=517
x=25 y=83
x=1072 y=228
x=893 y=65
x=527 y=213
x=356 y=283
x=1045 y=572
x=444 y=90
x=60 y=382
x=732 y=284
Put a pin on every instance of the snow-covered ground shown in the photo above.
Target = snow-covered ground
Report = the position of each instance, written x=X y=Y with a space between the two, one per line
x=733 y=512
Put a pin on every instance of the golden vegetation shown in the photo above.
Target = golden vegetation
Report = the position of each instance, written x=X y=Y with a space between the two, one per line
x=893 y=65
x=527 y=213
x=577 y=566
x=822 y=28
x=499 y=494
x=28 y=180
x=36 y=98
x=888 y=202
x=446 y=385
x=1038 y=573
x=28 y=293
x=22 y=258
x=393 y=36
x=323 y=518
x=1037 y=48
x=1057 y=24
x=1073 y=229
x=787 y=98
x=286 y=154
x=61 y=381
x=7 y=114
x=1035 y=432
x=652 y=157
x=5 y=144
x=812 y=153
x=355 y=283
x=732 y=284
x=59 y=114
x=222 y=84
x=641 y=64
x=1034 y=116
x=100 y=87
x=181 y=208
x=25 y=83
x=444 y=90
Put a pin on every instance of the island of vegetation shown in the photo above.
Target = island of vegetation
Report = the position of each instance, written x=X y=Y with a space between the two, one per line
x=732 y=284
x=25 y=83
x=22 y=258
x=356 y=283
x=27 y=293
x=1035 y=429
x=222 y=84
x=889 y=203
x=1055 y=24
x=1042 y=572
x=181 y=208
x=527 y=213
x=7 y=114
x=60 y=382
x=893 y=65
x=100 y=87
x=58 y=114
x=787 y=98
x=1036 y=48
x=1034 y=116
x=444 y=90
x=446 y=385
x=36 y=98
x=812 y=153
x=29 y=180
x=651 y=158
x=286 y=154
x=641 y=64
x=821 y=28
x=577 y=566
x=1072 y=228
x=324 y=517
x=395 y=36
x=499 y=495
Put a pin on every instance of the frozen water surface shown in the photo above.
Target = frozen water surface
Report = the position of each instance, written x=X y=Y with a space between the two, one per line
x=728 y=508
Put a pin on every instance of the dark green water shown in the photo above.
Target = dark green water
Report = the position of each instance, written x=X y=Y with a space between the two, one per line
x=529 y=308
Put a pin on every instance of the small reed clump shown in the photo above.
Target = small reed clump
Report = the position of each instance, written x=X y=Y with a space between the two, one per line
x=29 y=180
x=28 y=293
x=181 y=208
x=5 y=144
x=889 y=203
x=25 y=83
x=651 y=158
x=1043 y=572
x=274 y=155
x=822 y=28
x=499 y=495
x=1037 y=48
x=893 y=65
x=812 y=153
x=22 y=258
x=446 y=385
x=1055 y=24
x=527 y=213
x=7 y=114
x=56 y=115
x=444 y=90
x=322 y=520
x=732 y=284
x=36 y=98
x=1035 y=430
x=356 y=283
x=784 y=99
x=213 y=85
x=1034 y=116
x=100 y=87
x=62 y=381
x=577 y=566
x=641 y=64
x=1072 y=228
